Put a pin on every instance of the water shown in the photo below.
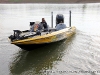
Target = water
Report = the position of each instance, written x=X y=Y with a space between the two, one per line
x=79 y=55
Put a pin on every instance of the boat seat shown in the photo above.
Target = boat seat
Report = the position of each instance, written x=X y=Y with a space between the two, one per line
x=52 y=29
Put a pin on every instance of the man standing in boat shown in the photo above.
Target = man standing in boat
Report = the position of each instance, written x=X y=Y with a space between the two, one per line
x=43 y=25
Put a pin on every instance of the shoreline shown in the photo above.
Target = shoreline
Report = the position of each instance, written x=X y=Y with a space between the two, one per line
x=49 y=1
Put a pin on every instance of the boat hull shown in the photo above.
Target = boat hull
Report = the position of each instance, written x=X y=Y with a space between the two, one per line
x=39 y=41
x=30 y=47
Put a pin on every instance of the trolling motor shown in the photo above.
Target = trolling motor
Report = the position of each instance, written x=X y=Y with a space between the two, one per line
x=15 y=35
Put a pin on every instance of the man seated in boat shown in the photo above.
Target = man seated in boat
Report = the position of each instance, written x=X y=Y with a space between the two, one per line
x=42 y=26
x=38 y=27
x=60 y=26
x=34 y=26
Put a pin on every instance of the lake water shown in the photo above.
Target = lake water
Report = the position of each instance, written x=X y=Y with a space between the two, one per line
x=79 y=55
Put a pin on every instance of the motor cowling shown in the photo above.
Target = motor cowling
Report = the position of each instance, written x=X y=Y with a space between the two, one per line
x=59 y=18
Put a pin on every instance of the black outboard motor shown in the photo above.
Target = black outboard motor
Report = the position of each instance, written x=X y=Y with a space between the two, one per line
x=59 y=18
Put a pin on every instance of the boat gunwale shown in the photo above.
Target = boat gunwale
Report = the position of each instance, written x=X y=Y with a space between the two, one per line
x=43 y=36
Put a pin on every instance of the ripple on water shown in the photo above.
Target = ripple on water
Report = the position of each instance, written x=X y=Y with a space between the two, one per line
x=83 y=54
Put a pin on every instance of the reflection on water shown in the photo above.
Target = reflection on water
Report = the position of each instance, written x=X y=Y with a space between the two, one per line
x=37 y=61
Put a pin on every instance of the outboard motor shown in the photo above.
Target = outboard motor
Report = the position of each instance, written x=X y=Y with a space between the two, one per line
x=59 y=18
